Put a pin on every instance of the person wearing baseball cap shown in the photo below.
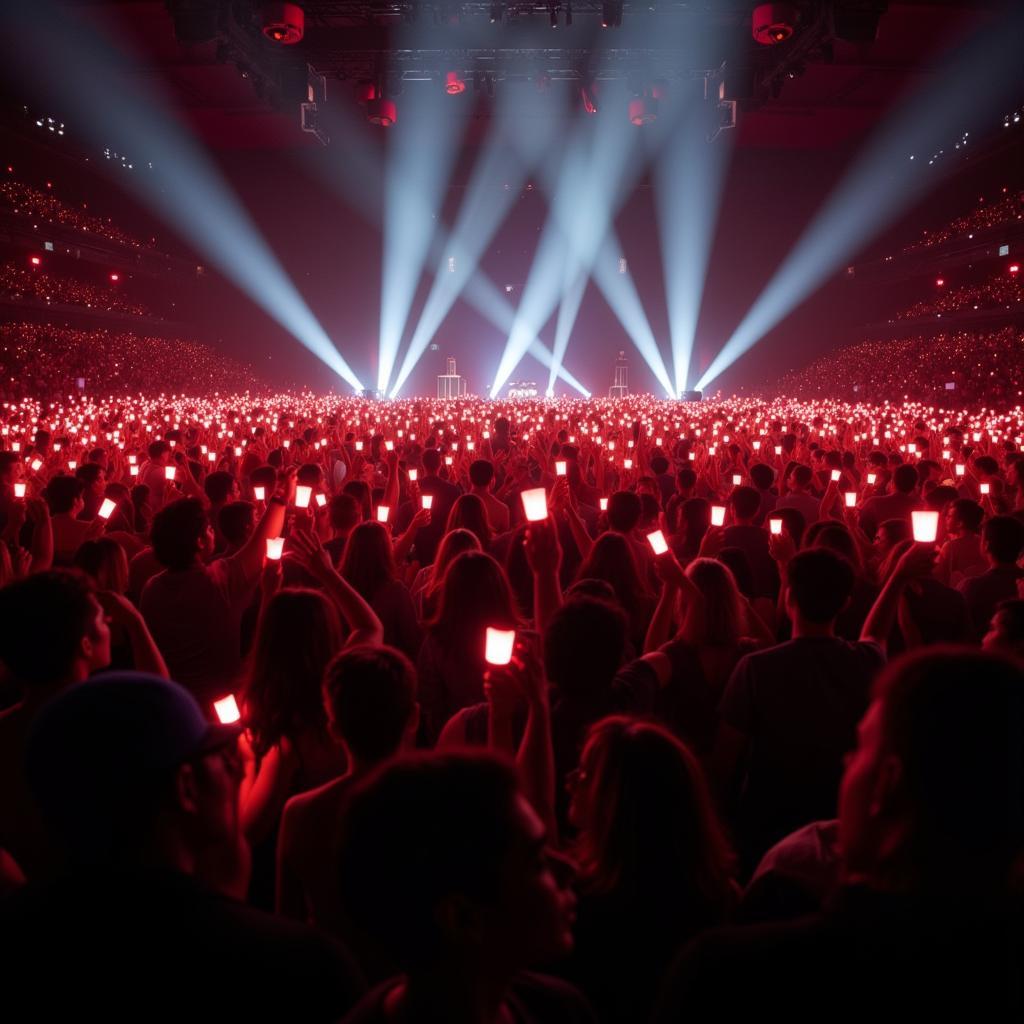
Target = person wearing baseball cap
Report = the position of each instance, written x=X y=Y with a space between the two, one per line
x=140 y=792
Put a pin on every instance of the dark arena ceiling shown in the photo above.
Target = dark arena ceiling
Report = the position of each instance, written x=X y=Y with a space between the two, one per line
x=824 y=87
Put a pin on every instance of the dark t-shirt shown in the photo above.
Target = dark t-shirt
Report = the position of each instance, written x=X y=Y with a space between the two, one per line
x=753 y=542
x=982 y=594
x=798 y=705
x=531 y=999
x=871 y=956
x=157 y=945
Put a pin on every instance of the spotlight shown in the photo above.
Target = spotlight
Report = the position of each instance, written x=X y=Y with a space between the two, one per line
x=641 y=111
x=381 y=112
x=588 y=94
x=36 y=261
x=1014 y=268
x=774 y=23
x=115 y=278
x=454 y=83
x=283 y=23
x=365 y=91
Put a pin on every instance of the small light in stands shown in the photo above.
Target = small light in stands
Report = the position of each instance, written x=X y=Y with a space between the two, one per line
x=426 y=500
x=35 y=260
x=977 y=436
x=693 y=456
x=56 y=447
x=487 y=435
x=115 y=277
x=757 y=446
x=559 y=468
x=498 y=646
x=132 y=459
x=389 y=445
x=872 y=477
x=226 y=710
x=19 y=490
x=448 y=460
x=778 y=449
x=947 y=455
x=16 y=446
x=471 y=446
x=960 y=469
x=275 y=545
x=717 y=515
x=603 y=502
x=836 y=474
x=302 y=496
x=985 y=488
x=72 y=465
x=321 y=500
x=260 y=492
x=383 y=511
x=37 y=464
x=133 y=470
x=286 y=444
x=413 y=475
x=851 y=499
x=627 y=464
x=1014 y=268
x=775 y=526
x=211 y=457
x=169 y=472
x=736 y=479
x=107 y=508
x=657 y=541
x=535 y=504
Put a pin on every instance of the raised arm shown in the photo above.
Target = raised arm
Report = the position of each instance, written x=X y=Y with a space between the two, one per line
x=364 y=626
x=271 y=523
x=544 y=554
x=916 y=562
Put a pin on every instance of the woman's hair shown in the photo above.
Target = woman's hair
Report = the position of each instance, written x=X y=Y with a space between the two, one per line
x=105 y=563
x=611 y=560
x=694 y=519
x=453 y=544
x=299 y=633
x=368 y=561
x=470 y=513
x=360 y=490
x=723 y=617
x=655 y=835
x=474 y=594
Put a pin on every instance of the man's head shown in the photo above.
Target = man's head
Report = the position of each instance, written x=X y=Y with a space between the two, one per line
x=818 y=586
x=181 y=534
x=1006 y=632
x=127 y=769
x=345 y=513
x=800 y=477
x=369 y=695
x=54 y=630
x=236 y=521
x=583 y=646
x=964 y=516
x=10 y=468
x=442 y=861
x=904 y=479
x=159 y=452
x=431 y=461
x=659 y=465
x=1003 y=539
x=624 y=511
x=686 y=480
x=481 y=473
x=64 y=495
x=762 y=476
x=745 y=502
x=220 y=487
x=93 y=479
x=931 y=798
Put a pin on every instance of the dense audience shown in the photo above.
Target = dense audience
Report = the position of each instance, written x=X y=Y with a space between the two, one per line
x=326 y=709
x=43 y=360
x=1007 y=208
x=1004 y=291
x=985 y=367
x=43 y=206
x=17 y=282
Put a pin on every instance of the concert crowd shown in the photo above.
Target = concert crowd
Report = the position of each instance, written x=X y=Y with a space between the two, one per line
x=319 y=708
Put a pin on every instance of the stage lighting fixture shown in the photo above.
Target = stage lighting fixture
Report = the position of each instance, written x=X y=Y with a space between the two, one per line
x=611 y=13
x=774 y=23
x=454 y=83
x=496 y=12
x=365 y=91
x=553 y=15
x=283 y=23
x=588 y=94
x=641 y=111
x=381 y=112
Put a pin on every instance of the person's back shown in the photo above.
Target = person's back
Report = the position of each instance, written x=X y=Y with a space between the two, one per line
x=1003 y=540
x=370 y=700
x=796 y=707
x=897 y=505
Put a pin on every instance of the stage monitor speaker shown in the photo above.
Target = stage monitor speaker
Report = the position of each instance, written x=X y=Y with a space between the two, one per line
x=691 y=396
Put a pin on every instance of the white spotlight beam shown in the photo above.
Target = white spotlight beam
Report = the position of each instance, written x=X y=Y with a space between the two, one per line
x=182 y=185
x=419 y=162
x=688 y=186
x=513 y=150
x=969 y=87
